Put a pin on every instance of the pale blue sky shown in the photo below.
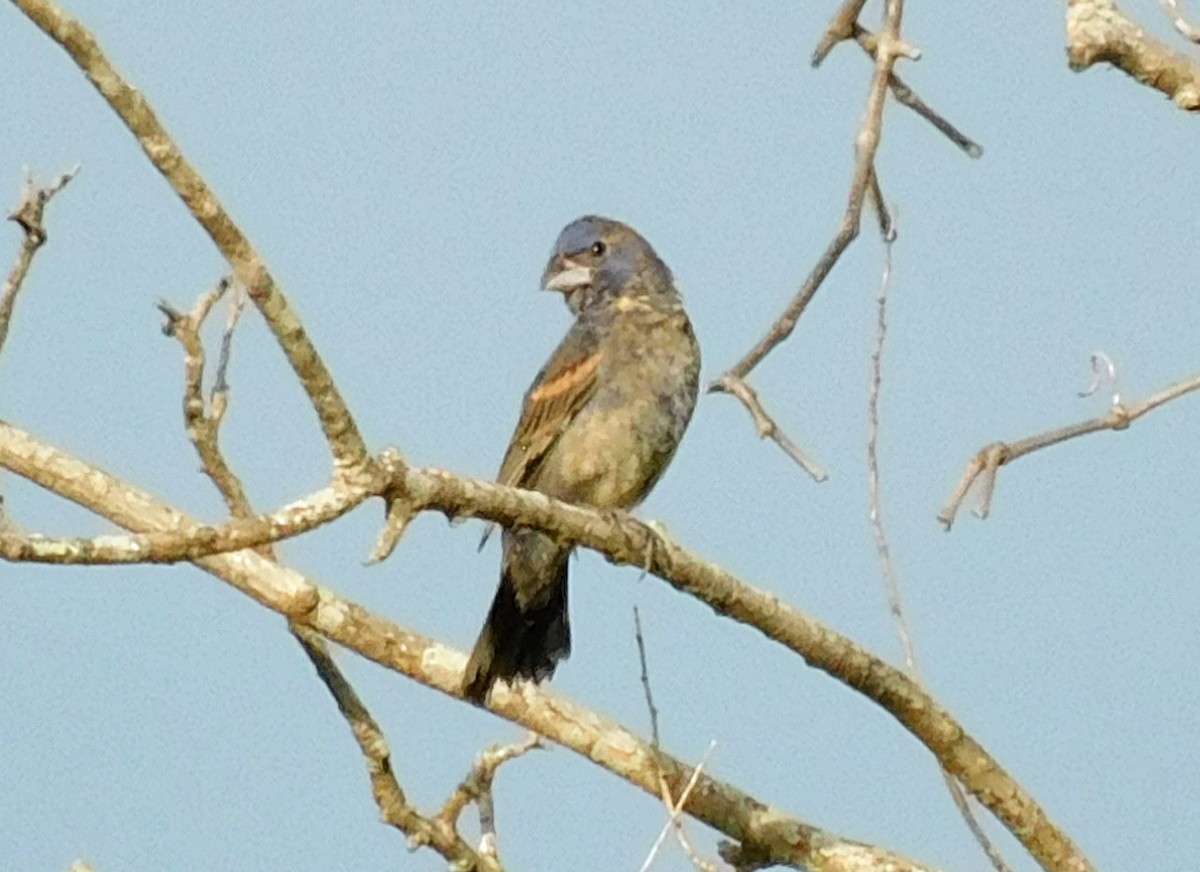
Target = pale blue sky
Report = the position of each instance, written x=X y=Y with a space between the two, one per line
x=405 y=171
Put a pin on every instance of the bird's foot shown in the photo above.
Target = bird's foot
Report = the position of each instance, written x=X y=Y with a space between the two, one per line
x=659 y=537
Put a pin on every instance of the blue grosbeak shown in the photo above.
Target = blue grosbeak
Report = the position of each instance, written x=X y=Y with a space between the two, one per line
x=598 y=427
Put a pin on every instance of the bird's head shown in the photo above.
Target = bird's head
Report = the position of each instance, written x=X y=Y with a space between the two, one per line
x=601 y=259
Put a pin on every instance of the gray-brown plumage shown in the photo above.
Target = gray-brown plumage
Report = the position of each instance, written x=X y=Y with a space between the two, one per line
x=598 y=427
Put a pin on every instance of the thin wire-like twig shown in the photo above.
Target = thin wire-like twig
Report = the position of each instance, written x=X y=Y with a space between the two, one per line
x=645 y=674
x=887 y=565
x=883 y=550
x=673 y=807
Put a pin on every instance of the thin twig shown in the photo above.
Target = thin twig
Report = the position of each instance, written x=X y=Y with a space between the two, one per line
x=909 y=98
x=28 y=214
x=476 y=787
x=984 y=465
x=889 y=47
x=203 y=426
x=766 y=426
x=887 y=227
x=237 y=303
x=883 y=550
x=345 y=442
x=650 y=707
x=866 y=144
x=1180 y=21
x=694 y=856
x=674 y=808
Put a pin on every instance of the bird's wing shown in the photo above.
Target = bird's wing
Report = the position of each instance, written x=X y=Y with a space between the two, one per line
x=561 y=389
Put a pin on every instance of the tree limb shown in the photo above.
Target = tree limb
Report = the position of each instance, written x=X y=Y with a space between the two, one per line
x=1099 y=32
x=624 y=541
x=337 y=423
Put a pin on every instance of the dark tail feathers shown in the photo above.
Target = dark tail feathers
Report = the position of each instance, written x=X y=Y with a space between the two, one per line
x=516 y=642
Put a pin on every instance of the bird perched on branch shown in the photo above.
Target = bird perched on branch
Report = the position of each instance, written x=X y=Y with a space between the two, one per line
x=598 y=427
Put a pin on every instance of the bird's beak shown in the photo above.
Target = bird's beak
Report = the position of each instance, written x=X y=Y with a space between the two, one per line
x=564 y=275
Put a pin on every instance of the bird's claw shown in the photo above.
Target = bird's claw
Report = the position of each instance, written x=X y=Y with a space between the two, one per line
x=659 y=537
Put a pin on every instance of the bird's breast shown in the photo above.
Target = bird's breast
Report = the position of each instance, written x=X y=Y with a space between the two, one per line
x=622 y=440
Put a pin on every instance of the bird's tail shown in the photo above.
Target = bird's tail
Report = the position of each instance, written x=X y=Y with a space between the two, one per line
x=520 y=642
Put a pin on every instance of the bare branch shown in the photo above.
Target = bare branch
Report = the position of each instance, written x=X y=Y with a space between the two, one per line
x=984 y=465
x=887 y=226
x=399 y=515
x=841 y=27
x=394 y=806
x=625 y=541
x=29 y=214
x=766 y=426
x=887 y=49
x=345 y=441
x=477 y=788
x=203 y=427
x=906 y=96
x=1099 y=32
x=192 y=543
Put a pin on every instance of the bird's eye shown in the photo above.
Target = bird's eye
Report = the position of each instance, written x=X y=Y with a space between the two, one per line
x=598 y=248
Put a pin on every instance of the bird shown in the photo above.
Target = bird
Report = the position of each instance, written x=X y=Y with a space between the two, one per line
x=598 y=427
